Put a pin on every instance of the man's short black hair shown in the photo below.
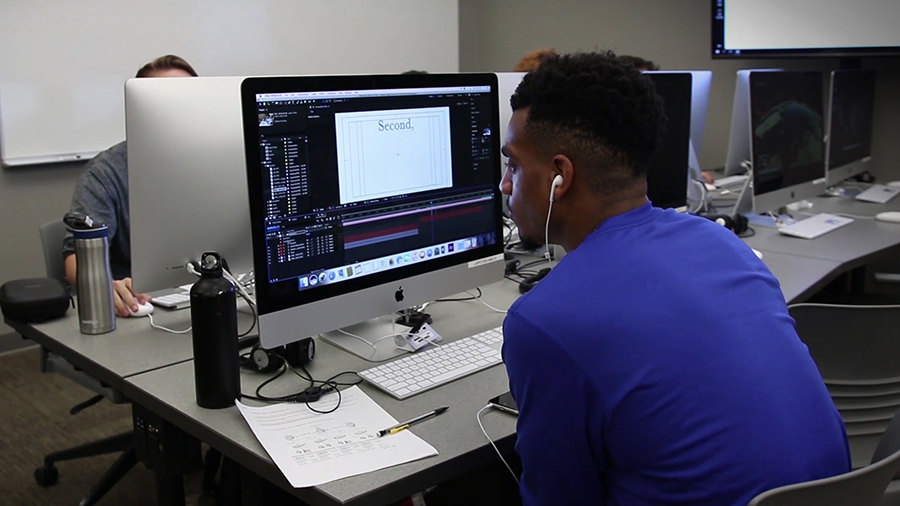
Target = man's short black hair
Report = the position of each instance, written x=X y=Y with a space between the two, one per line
x=596 y=109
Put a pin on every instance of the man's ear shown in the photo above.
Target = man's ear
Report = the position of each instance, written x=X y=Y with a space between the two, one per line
x=562 y=165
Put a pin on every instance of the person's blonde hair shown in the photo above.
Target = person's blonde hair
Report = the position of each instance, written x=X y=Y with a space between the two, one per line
x=533 y=59
x=167 y=62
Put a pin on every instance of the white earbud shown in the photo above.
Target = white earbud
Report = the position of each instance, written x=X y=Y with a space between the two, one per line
x=557 y=181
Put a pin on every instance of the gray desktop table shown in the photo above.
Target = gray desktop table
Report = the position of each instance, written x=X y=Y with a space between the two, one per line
x=134 y=347
x=852 y=245
x=800 y=277
x=169 y=393
x=851 y=206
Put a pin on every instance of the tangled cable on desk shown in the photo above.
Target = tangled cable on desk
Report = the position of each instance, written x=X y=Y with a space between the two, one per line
x=311 y=394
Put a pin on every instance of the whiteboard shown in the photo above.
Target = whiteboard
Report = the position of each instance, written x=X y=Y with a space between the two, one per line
x=65 y=62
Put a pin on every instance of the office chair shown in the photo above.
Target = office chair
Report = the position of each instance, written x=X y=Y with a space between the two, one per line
x=856 y=351
x=890 y=443
x=863 y=487
x=52 y=235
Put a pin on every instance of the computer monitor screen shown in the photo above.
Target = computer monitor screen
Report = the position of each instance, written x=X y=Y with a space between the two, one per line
x=787 y=143
x=852 y=100
x=667 y=174
x=187 y=181
x=369 y=194
x=827 y=28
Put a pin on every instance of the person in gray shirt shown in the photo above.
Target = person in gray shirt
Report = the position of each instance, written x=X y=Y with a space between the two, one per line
x=102 y=194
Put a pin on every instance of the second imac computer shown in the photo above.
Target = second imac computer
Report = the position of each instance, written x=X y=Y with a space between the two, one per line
x=788 y=150
x=369 y=195
x=685 y=95
x=852 y=107
x=187 y=181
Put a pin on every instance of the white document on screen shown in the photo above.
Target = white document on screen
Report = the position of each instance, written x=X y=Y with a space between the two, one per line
x=312 y=448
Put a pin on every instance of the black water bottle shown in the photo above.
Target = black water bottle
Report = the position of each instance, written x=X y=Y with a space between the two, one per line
x=217 y=376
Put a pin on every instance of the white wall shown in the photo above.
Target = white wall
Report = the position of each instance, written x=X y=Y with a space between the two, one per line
x=61 y=88
x=28 y=199
x=494 y=34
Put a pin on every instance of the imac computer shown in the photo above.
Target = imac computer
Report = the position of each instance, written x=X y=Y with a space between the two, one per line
x=187 y=181
x=685 y=95
x=788 y=148
x=369 y=195
x=738 y=158
x=667 y=174
x=851 y=109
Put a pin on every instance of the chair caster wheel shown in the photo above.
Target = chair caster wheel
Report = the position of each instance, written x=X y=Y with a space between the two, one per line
x=46 y=476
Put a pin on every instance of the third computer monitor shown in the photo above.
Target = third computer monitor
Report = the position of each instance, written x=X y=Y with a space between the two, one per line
x=852 y=106
x=788 y=149
x=369 y=194
x=667 y=174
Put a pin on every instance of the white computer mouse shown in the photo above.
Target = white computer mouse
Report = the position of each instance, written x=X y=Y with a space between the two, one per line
x=889 y=216
x=142 y=310
x=895 y=184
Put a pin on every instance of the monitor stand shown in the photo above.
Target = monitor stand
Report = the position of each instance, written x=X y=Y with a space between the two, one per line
x=365 y=346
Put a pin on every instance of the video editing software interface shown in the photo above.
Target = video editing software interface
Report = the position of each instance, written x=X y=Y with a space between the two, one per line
x=786 y=125
x=361 y=182
x=852 y=110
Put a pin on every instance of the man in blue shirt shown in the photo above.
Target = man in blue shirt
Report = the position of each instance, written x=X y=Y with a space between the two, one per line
x=657 y=363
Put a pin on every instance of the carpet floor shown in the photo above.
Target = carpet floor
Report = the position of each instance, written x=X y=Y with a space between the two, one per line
x=35 y=420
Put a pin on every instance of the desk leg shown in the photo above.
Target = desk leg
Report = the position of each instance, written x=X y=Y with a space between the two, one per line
x=253 y=488
x=858 y=281
x=167 y=450
x=169 y=488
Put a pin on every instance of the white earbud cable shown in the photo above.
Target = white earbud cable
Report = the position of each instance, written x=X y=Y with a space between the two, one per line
x=478 y=418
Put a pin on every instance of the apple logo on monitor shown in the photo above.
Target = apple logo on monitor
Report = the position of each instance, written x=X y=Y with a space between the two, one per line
x=398 y=295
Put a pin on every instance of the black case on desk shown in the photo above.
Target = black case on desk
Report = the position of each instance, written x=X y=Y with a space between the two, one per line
x=34 y=300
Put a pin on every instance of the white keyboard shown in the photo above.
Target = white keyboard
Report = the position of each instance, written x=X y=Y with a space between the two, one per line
x=176 y=300
x=729 y=181
x=414 y=374
x=878 y=193
x=814 y=226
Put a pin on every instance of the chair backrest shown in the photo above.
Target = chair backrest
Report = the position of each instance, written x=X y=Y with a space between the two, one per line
x=851 y=344
x=890 y=441
x=52 y=235
x=863 y=487
x=855 y=350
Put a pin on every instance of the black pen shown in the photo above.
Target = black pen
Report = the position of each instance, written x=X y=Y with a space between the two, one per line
x=405 y=425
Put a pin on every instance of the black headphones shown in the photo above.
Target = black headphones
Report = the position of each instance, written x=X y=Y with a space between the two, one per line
x=528 y=283
x=264 y=360
x=737 y=223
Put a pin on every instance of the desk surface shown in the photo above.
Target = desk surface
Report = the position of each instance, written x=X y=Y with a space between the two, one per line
x=455 y=434
x=849 y=205
x=133 y=348
x=852 y=245
x=799 y=277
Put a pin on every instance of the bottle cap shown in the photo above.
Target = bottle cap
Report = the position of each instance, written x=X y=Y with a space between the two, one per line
x=211 y=264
